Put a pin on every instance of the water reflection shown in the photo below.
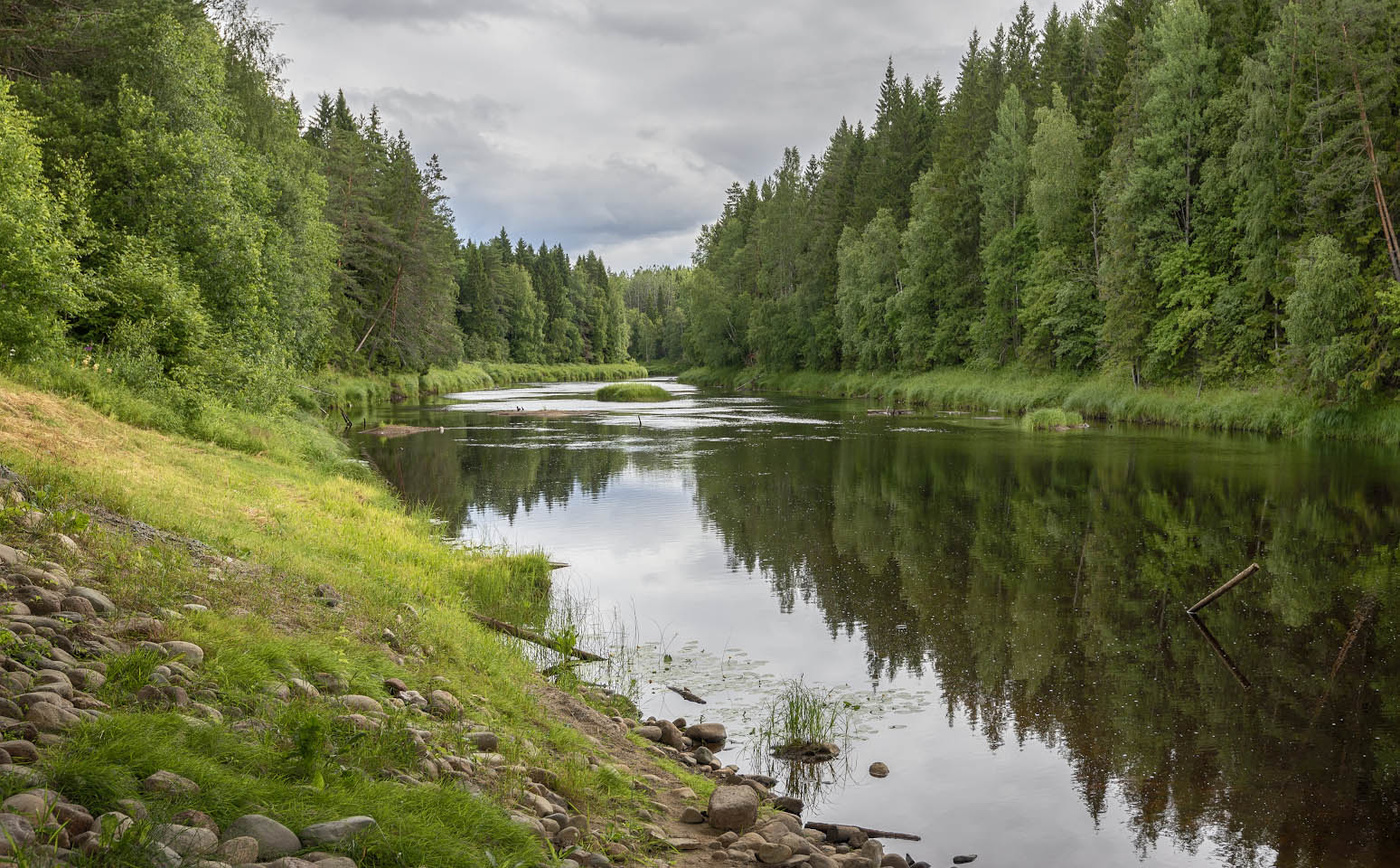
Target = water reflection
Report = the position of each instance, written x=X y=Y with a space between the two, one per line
x=1041 y=580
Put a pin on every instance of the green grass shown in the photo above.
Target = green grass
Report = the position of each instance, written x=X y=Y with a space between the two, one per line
x=632 y=392
x=295 y=524
x=801 y=717
x=1266 y=408
x=1051 y=419
x=240 y=773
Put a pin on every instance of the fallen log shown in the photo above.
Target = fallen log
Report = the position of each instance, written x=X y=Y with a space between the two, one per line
x=537 y=638
x=829 y=828
x=686 y=694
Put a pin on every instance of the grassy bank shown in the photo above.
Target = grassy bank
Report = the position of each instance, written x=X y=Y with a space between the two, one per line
x=1266 y=409
x=301 y=530
x=369 y=389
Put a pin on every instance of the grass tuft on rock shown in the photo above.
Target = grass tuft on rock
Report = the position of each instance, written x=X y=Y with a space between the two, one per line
x=632 y=392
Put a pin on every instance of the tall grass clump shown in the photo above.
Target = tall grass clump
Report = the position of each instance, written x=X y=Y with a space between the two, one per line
x=805 y=724
x=1051 y=419
x=632 y=392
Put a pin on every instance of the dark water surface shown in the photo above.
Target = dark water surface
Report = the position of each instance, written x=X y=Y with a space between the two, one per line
x=1005 y=608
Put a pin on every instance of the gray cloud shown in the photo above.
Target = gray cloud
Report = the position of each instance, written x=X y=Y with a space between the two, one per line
x=615 y=124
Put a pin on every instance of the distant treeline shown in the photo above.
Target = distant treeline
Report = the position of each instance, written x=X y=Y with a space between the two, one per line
x=1184 y=191
x=165 y=207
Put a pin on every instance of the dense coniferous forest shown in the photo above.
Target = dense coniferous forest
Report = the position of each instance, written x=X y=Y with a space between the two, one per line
x=165 y=205
x=1183 y=191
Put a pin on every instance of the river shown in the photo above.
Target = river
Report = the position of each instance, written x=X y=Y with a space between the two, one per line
x=999 y=614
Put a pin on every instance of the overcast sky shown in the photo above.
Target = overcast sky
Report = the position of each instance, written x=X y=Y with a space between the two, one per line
x=615 y=126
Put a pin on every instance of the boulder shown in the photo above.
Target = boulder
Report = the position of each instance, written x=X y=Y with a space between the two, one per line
x=709 y=733
x=190 y=653
x=274 y=839
x=362 y=704
x=99 y=600
x=185 y=840
x=240 y=850
x=733 y=808
x=444 y=704
x=483 y=741
x=335 y=831
x=170 y=784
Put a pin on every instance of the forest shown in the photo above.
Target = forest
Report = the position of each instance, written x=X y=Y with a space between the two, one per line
x=170 y=215
x=1178 y=191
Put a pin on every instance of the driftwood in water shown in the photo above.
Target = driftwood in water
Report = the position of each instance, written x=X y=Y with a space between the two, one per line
x=890 y=412
x=1219 y=650
x=686 y=694
x=830 y=829
x=537 y=638
x=1220 y=591
x=398 y=430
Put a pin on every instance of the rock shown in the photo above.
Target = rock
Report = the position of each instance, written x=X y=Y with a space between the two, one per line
x=290 y=862
x=185 y=840
x=190 y=653
x=81 y=605
x=36 y=806
x=873 y=852
x=483 y=741
x=568 y=837
x=733 y=808
x=135 y=808
x=303 y=688
x=709 y=733
x=685 y=844
x=772 y=854
x=41 y=601
x=170 y=784
x=789 y=805
x=334 y=862
x=274 y=839
x=15 y=830
x=963 y=860
x=74 y=818
x=335 y=831
x=86 y=679
x=879 y=770
x=361 y=703
x=395 y=686
x=692 y=816
x=239 y=850
x=20 y=750
x=99 y=600
x=331 y=682
x=650 y=733
x=531 y=823
x=671 y=735
x=444 y=704
x=894 y=860
x=195 y=818
x=160 y=855
x=8 y=556
x=704 y=757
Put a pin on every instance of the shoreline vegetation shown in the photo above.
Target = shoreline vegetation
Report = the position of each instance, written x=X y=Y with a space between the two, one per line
x=1272 y=410
x=249 y=643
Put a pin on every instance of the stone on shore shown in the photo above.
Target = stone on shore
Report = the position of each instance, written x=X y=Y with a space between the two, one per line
x=274 y=839
x=709 y=733
x=170 y=784
x=335 y=831
x=733 y=808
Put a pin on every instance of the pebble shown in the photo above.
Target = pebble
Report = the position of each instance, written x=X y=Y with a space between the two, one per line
x=879 y=770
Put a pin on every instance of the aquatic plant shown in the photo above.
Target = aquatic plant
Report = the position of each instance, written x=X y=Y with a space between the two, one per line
x=632 y=392
x=805 y=724
x=1051 y=419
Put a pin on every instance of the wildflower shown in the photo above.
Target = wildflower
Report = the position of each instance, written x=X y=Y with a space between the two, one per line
x=109 y=370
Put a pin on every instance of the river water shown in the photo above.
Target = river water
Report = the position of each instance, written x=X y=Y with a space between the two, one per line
x=999 y=614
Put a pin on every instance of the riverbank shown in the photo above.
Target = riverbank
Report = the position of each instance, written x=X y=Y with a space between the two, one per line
x=1269 y=410
x=360 y=390
x=331 y=669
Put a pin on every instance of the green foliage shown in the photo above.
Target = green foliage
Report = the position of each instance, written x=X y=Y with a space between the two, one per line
x=38 y=268
x=1327 y=321
x=632 y=392
x=1051 y=419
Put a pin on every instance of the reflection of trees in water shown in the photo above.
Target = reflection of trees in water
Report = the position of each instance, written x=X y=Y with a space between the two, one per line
x=1045 y=581
x=510 y=469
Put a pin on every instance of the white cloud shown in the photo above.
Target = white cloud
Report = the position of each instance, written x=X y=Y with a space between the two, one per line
x=614 y=124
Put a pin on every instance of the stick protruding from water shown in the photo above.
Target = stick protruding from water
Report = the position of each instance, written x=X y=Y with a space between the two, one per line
x=1220 y=591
